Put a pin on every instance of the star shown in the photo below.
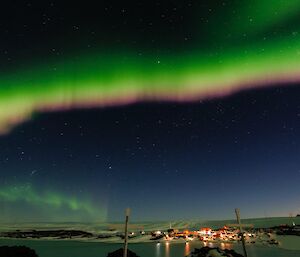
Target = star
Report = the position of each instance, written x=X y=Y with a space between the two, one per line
x=33 y=172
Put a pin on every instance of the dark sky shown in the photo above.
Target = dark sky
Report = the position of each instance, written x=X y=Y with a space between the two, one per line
x=166 y=160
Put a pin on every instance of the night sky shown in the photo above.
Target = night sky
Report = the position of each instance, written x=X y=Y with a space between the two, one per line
x=177 y=109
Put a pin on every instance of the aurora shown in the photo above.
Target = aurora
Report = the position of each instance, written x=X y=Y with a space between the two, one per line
x=107 y=77
x=174 y=79
x=49 y=200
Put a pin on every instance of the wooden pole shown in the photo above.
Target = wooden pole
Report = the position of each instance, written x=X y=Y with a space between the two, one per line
x=237 y=212
x=127 y=213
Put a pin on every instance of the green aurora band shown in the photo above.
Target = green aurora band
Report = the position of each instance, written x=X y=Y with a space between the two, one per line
x=49 y=200
x=103 y=79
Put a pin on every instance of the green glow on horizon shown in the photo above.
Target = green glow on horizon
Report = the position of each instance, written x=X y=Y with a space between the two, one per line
x=98 y=79
x=50 y=200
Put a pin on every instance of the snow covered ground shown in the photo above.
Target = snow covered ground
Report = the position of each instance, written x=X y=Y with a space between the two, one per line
x=150 y=226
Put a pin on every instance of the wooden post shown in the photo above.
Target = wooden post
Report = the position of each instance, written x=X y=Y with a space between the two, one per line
x=237 y=212
x=127 y=213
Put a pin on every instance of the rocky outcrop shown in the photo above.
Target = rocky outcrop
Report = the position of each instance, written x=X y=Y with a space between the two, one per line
x=61 y=234
x=17 y=251
x=119 y=253
x=216 y=252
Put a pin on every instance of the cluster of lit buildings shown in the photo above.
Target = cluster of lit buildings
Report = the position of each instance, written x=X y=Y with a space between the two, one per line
x=204 y=234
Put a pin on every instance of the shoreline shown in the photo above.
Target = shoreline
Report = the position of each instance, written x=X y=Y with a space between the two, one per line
x=165 y=243
x=286 y=242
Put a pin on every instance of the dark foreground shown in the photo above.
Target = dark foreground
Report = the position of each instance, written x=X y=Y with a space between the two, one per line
x=17 y=251
x=65 y=248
